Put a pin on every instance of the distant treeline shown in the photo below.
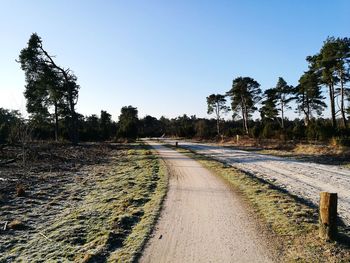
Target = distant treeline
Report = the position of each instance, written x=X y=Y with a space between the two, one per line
x=13 y=128
x=52 y=93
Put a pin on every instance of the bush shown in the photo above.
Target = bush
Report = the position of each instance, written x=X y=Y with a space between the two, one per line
x=298 y=131
x=256 y=131
x=269 y=130
x=8 y=121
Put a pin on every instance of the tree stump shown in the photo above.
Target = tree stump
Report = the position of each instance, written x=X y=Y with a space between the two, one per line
x=328 y=216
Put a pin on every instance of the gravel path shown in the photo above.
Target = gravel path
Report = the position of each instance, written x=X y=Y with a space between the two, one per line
x=303 y=179
x=202 y=219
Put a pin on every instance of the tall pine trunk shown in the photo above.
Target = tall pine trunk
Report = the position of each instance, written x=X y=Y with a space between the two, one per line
x=245 y=119
x=218 y=126
x=244 y=116
x=342 y=104
x=246 y=122
x=308 y=113
x=331 y=97
x=56 y=121
x=74 y=121
x=217 y=119
x=282 y=116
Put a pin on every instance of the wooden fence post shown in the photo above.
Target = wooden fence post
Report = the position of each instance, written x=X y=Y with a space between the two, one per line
x=176 y=144
x=328 y=216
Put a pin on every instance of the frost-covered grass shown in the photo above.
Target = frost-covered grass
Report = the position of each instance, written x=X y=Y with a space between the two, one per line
x=109 y=221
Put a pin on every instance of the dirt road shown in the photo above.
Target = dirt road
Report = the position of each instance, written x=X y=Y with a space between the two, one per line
x=202 y=219
x=303 y=179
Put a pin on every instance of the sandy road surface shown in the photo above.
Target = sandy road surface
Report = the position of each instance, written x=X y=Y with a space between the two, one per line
x=202 y=219
x=303 y=179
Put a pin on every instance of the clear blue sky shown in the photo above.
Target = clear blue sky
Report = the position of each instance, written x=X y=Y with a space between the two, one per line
x=165 y=57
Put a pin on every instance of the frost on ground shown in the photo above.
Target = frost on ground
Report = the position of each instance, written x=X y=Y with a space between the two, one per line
x=303 y=179
x=87 y=203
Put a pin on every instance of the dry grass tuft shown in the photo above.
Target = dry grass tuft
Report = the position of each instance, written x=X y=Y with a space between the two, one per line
x=311 y=149
x=323 y=154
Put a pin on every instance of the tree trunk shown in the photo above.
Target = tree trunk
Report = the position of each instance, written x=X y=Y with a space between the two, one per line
x=218 y=126
x=306 y=118
x=217 y=119
x=308 y=114
x=56 y=122
x=342 y=106
x=331 y=97
x=305 y=109
x=246 y=123
x=74 y=122
x=246 y=120
x=282 y=116
x=243 y=116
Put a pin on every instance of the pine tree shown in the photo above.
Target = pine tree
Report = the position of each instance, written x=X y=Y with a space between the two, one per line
x=245 y=94
x=284 y=95
x=217 y=104
x=269 y=111
x=48 y=84
x=324 y=64
x=128 y=123
x=342 y=71
x=309 y=96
